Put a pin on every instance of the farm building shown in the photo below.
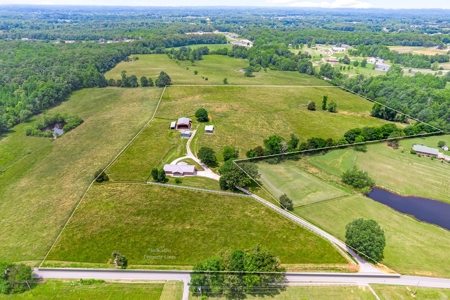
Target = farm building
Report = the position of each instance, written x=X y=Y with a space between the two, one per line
x=445 y=148
x=180 y=169
x=186 y=134
x=209 y=129
x=173 y=125
x=184 y=123
x=424 y=150
x=338 y=49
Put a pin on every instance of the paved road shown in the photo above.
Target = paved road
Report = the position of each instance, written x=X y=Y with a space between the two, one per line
x=365 y=266
x=292 y=278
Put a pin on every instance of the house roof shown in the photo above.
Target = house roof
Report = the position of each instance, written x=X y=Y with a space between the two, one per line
x=186 y=132
x=184 y=121
x=425 y=149
x=209 y=128
x=179 y=168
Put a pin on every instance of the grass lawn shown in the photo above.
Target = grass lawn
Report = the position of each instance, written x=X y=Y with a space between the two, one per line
x=193 y=162
x=312 y=293
x=215 y=67
x=146 y=152
x=302 y=187
x=245 y=116
x=197 y=182
x=191 y=226
x=396 y=292
x=58 y=289
x=45 y=179
x=403 y=173
x=418 y=50
x=412 y=247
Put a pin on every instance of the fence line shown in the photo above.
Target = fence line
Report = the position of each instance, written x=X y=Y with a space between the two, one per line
x=197 y=189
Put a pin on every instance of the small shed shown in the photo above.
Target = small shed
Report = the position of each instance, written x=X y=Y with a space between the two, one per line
x=173 y=125
x=209 y=129
x=445 y=148
x=186 y=134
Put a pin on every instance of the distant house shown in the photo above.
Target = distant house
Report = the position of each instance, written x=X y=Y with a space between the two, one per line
x=445 y=148
x=69 y=42
x=173 y=125
x=338 y=49
x=426 y=151
x=184 y=123
x=209 y=129
x=186 y=134
x=382 y=67
x=180 y=169
x=333 y=60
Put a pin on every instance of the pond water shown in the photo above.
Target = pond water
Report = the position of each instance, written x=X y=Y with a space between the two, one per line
x=423 y=209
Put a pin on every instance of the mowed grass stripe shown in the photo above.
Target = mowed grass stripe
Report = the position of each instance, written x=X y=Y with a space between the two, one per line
x=134 y=218
x=40 y=191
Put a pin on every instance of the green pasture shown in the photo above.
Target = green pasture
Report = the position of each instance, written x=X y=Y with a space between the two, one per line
x=397 y=170
x=44 y=178
x=214 y=67
x=245 y=116
x=301 y=187
x=308 y=292
x=136 y=218
x=212 y=47
x=74 y=290
x=412 y=247
x=399 y=292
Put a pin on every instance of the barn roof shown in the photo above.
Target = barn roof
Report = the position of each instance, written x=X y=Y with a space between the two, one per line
x=180 y=168
x=184 y=120
x=425 y=149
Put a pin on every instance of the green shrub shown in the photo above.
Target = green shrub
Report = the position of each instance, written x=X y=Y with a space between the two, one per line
x=412 y=151
x=178 y=181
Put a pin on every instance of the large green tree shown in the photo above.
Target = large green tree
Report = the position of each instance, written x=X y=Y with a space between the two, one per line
x=367 y=238
x=207 y=156
x=357 y=178
x=235 y=273
x=202 y=115
x=15 y=278
x=229 y=152
x=163 y=80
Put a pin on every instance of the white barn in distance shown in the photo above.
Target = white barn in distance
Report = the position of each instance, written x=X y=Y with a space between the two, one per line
x=209 y=129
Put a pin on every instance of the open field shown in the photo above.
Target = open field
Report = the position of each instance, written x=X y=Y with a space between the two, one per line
x=412 y=247
x=146 y=152
x=136 y=218
x=395 y=292
x=311 y=293
x=418 y=50
x=215 y=67
x=58 y=289
x=399 y=171
x=245 y=116
x=40 y=189
x=302 y=187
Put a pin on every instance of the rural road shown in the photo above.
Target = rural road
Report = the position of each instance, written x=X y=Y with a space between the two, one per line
x=354 y=278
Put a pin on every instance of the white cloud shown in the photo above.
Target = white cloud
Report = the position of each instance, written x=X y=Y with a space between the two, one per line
x=324 y=4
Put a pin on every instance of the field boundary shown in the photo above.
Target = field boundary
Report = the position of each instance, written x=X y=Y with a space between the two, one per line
x=196 y=189
x=103 y=170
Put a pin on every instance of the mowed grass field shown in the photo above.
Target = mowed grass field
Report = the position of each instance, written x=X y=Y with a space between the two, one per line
x=402 y=172
x=418 y=50
x=245 y=116
x=145 y=153
x=44 y=179
x=302 y=187
x=395 y=292
x=311 y=293
x=412 y=247
x=212 y=47
x=74 y=290
x=136 y=218
x=215 y=67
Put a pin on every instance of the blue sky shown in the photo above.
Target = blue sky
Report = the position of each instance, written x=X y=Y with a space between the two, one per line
x=395 y=4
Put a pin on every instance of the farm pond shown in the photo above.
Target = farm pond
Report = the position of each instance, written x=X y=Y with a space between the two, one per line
x=423 y=209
